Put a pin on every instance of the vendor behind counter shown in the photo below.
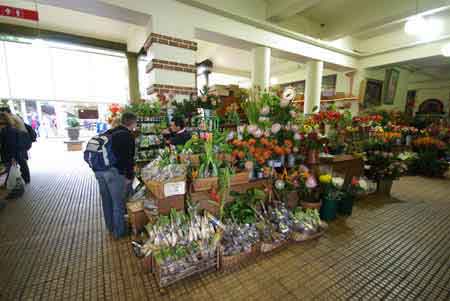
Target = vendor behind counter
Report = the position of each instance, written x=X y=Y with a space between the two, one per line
x=178 y=134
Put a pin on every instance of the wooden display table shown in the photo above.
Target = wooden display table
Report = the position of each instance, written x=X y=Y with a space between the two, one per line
x=348 y=165
x=74 y=145
x=204 y=198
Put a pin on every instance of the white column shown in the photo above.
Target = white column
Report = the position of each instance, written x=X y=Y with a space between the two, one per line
x=261 y=67
x=23 y=109
x=39 y=110
x=314 y=72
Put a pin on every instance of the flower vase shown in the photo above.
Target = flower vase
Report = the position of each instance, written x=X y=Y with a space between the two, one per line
x=408 y=140
x=384 y=187
x=313 y=156
x=291 y=161
x=345 y=205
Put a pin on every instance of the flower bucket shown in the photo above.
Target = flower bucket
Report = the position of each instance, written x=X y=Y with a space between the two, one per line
x=408 y=140
x=345 y=206
x=328 y=211
x=384 y=187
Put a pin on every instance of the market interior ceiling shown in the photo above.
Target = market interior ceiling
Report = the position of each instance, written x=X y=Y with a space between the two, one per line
x=364 y=27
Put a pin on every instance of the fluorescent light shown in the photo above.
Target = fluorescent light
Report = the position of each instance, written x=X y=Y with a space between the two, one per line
x=446 y=50
x=39 y=43
x=416 y=25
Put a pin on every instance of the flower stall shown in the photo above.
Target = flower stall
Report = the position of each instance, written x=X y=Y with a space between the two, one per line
x=268 y=177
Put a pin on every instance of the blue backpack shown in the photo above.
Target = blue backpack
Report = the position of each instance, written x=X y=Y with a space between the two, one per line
x=99 y=154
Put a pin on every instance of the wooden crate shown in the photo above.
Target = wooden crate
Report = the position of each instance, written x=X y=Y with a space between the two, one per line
x=230 y=262
x=164 y=205
x=194 y=159
x=204 y=184
x=240 y=178
x=136 y=218
x=147 y=264
x=175 y=186
x=165 y=276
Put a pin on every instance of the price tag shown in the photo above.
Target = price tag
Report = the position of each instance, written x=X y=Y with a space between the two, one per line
x=175 y=188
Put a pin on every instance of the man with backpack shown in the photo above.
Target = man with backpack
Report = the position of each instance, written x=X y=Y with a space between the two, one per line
x=111 y=156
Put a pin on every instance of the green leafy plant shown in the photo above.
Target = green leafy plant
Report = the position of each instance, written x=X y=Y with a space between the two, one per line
x=242 y=209
x=73 y=122
x=209 y=164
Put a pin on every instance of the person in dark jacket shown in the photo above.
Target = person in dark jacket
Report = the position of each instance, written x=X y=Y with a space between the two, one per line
x=181 y=135
x=22 y=142
x=114 y=183
x=13 y=150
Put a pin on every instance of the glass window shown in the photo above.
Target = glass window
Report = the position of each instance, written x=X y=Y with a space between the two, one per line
x=29 y=71
x=63 y=73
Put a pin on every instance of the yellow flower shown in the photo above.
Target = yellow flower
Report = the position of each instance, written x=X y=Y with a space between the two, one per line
x=326 y=178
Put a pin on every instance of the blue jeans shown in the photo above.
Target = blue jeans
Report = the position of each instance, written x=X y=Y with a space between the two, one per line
x=113 y=191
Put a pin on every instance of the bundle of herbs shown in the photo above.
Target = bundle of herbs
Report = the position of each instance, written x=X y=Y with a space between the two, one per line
x=178 y=240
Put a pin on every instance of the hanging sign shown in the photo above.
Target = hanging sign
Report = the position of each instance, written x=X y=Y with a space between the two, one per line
x=20 y=13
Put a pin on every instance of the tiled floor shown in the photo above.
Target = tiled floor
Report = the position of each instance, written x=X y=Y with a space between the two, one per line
x=53 y=245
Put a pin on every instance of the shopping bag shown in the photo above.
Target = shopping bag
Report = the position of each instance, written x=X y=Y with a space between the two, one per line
x=15 y=181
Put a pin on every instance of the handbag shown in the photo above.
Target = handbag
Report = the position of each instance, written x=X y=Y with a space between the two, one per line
x=15 y=182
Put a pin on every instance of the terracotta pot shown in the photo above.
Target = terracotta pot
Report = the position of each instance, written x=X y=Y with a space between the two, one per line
x=311 y=205
x=313 y=156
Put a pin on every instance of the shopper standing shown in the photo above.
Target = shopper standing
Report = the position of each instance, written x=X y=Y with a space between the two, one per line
x=21 y=145
x=10 y=149
x=115 y=182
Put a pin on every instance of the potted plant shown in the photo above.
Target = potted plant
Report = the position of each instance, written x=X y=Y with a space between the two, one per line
x=382 y=165
x=73 y=128
x=308 y=189
x=430 y=159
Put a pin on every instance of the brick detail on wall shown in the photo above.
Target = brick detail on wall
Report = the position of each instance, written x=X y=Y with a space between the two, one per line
x=171 y=41
x=166 y=89
x=167 y=65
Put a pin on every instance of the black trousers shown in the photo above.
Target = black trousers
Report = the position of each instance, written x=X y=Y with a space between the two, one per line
x=24 y=170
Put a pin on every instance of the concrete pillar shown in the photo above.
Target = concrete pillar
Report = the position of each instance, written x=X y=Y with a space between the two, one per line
x=171 y=68
x=314 y=72
x=23 y=110
x=39 y=110
x=133 y=77
x=261 y=67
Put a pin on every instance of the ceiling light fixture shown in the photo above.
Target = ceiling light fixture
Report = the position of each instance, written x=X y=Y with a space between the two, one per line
x=416 y=25
x=446 y=50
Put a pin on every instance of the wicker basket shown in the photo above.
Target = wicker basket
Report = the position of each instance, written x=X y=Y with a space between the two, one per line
x=165 y=277
x=270 y=247
x=230 y=262
x=299 y=237
x=161 y=189
x=204 y=184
